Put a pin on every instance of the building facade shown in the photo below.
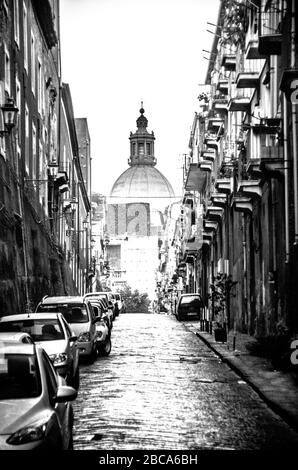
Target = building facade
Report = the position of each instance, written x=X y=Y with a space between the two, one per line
x=241 y=172
x=35 y=171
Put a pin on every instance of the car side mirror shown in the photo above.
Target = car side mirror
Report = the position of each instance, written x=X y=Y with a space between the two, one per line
x=65 y=393
x=73 y=338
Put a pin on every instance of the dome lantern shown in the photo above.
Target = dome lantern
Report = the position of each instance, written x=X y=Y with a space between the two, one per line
x=142 y=143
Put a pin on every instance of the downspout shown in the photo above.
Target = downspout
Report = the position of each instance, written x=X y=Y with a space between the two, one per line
x=20 y=181
x=286 y=179
x=294 y=130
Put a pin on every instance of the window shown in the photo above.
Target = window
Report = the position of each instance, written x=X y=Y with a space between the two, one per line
x=25 y=36
x=148 y=149
x=16 y=16
x=27 y=164
x=7 y=70
x=32 y=63
x=18 y=104
x=34 y=156
x=19 y=377
x=51 y=379
x=141 y=148
x=40 y=87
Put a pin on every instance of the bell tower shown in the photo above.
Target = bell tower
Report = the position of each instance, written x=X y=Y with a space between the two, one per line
x=142 y=143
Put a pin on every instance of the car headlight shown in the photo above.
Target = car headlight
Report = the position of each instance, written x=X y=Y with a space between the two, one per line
x=58 y=358
x=83 y=337
x=34 y=432
x=99 y=334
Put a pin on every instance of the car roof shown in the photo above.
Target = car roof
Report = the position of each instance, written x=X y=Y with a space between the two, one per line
x=63 y=299
x=15 y=347
x=90 y=294
x=34 y=316
x=190 y=294
x=13 y=335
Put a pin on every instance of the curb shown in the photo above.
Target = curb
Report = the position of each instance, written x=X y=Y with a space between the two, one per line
x=289 y=418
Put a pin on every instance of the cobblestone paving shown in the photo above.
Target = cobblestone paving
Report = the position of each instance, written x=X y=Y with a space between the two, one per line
x=163 y=388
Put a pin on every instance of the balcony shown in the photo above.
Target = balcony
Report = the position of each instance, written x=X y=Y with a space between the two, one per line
x=214 y=213
x=269 y=126
x=252 y=50
x=253 y=167
x=208 y=155
x=219 y=199
x=210 y=226
x=214 y=123
x=210 y=140
x=224 y=185
x=223 y=85
x=247 y=79
x=228 y=61
x=250 y=188
x=242 y=204
x=239 y=103
x=205 y=165
x=219 y=104
x=270 y=44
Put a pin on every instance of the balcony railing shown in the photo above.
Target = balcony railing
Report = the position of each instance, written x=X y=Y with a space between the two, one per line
x=270 y=37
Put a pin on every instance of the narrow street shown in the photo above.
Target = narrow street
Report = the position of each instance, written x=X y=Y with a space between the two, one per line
x=163 y=388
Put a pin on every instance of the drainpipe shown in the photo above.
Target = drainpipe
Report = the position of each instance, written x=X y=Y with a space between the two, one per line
x=286 y=179
x=294 y=130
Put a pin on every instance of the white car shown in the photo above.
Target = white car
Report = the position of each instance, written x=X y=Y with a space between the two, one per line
x=53 y=334
x=19 y=337
x=78 y=312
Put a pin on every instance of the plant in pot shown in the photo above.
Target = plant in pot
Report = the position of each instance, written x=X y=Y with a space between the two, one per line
x=220 y=297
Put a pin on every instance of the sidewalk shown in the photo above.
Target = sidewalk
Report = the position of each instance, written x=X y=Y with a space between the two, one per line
x=278 y=389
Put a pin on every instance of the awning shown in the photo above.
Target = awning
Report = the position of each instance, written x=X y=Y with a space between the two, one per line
x=196 y=178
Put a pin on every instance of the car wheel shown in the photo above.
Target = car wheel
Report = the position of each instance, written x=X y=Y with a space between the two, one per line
x=106 y=348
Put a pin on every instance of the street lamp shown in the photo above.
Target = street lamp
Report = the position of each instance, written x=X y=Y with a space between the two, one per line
x=10 y=112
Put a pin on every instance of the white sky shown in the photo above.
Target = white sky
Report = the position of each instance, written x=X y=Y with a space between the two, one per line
x=117 y=53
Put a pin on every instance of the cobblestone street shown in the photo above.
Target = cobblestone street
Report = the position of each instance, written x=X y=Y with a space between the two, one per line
x=163 y=388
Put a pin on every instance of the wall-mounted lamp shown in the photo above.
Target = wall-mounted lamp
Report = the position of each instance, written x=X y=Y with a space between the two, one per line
x=10 y=112
x=53 y=168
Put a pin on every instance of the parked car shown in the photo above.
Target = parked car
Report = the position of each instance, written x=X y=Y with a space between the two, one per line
x=100 y=311
x=50 y=331
x=103 y=331
x=107 y=302
x=120 y=303
x=79 y=313
x=20 y=337
x=189 y=306
x=35 y=408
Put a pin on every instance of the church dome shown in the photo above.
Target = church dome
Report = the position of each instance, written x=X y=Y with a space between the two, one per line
x=142 y=182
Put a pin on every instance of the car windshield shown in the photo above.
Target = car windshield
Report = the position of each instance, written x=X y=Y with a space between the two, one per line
x=19 y=377
x=39 y=329
x=73 y=313
x=193 y=300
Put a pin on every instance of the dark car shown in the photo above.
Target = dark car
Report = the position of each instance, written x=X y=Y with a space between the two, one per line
x=189 y=307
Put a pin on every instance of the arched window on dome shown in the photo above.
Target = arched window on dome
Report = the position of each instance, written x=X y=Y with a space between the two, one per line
x=141 y=148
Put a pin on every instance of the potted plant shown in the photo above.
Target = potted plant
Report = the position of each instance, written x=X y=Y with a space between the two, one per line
x=220 y=296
